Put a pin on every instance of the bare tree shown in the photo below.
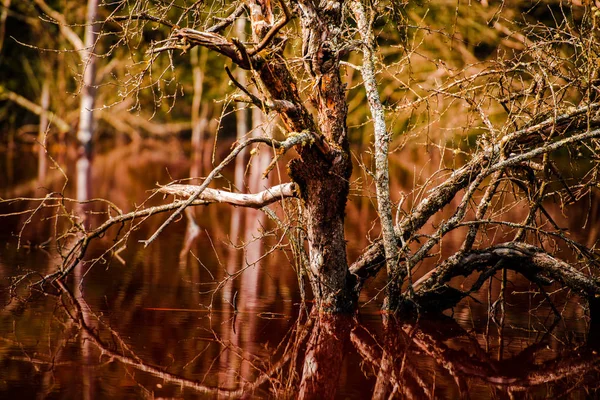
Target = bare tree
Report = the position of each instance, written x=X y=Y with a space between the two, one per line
x=532 y=99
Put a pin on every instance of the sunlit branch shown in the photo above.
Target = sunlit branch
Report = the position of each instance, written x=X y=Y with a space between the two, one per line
x=293 y=140
x=255 y=200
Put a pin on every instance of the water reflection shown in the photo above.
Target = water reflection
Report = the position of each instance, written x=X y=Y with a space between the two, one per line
x=313 y=356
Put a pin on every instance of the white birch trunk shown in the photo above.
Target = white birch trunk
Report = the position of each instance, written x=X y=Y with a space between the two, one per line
x=88 y=85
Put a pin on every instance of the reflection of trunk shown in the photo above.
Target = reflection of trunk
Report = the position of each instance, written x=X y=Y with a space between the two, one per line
x=250 y=287
x=192 y=231
x=87 y=360
x=84 y=193
x=198 y=118
x=255 y=219
x=198 y=125
x=88 y=89
x=45 y=103
x=324 y=356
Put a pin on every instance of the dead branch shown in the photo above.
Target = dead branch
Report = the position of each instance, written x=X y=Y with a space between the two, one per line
x=256 y=200
x=532 y=262
x=293 y=140
x=489 y=160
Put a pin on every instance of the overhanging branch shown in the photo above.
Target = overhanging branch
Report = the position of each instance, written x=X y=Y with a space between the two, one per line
x=255 y=200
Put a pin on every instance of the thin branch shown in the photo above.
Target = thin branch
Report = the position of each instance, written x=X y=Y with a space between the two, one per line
x=143 y=16
x=65 y=29
x=225 y=22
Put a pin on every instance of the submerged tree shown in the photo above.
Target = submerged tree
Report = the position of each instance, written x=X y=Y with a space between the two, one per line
x=529 y=103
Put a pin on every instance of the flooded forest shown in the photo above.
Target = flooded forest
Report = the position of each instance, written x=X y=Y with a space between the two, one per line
x=299 y=199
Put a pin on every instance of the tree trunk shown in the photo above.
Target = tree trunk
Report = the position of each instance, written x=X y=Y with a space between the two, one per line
x=88 y=89
x=395 y=273
x=42 y=131
x=324 y=169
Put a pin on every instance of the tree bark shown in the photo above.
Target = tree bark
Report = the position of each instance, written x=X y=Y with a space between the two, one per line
x=395 y=274
x=322 y=176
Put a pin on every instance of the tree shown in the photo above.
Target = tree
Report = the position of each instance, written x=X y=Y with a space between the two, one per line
x=532 y=98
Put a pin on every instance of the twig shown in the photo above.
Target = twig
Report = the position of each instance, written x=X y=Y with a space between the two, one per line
x=274 y=29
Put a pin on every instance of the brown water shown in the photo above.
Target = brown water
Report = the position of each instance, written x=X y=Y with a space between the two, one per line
x=165 y=322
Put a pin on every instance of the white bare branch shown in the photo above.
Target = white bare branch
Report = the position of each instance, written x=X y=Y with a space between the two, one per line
x=255 y=200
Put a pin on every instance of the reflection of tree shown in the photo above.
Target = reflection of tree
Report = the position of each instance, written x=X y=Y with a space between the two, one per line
x=423 y=359
x=324 y=355
x=401 y=370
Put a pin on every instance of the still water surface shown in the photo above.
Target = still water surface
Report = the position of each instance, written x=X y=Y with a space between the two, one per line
x=150 y=324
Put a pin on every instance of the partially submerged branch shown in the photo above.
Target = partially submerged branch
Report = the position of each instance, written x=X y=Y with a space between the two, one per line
x=490 y=160
x=532 y=262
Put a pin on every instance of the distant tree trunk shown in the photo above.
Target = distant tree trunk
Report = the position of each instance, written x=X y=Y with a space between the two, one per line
x=242 y=127
x=198 y=120
x=3 y=16
x=42 y=130
x=88 y=84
